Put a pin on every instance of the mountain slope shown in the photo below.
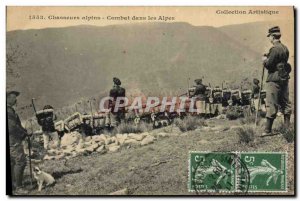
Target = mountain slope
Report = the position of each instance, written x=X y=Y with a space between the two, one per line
x=254 y=35
x=64 y=64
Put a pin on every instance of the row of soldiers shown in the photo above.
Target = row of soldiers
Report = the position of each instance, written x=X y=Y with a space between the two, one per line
x=213 y=101
x=277 y=96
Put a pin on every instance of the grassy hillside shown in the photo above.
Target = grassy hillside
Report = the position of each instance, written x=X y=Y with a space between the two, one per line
x=160 y=168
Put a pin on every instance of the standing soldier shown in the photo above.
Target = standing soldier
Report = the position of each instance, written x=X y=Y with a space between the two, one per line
x=276 y=62
x=46 y=119
x=117 y=91
x=255 y=93
x=200 y=90
x=217 y=101
x=16 y=135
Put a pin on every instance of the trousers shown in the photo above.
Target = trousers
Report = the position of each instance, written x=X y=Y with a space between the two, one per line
x=200 y=105
x=54 y=136
x=18 y=163
x=277 y=97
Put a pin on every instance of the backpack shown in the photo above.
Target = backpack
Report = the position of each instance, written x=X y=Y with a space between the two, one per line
x=284 y=68
x=45 y=118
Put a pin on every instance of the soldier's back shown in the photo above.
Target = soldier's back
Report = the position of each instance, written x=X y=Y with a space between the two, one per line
x=120 y=91
x=282 y=52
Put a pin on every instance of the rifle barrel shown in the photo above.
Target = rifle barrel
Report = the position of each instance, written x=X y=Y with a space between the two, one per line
x=32 y=102
x=29 y=154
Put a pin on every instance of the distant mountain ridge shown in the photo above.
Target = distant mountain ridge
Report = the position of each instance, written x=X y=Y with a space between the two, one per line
x=63 y=65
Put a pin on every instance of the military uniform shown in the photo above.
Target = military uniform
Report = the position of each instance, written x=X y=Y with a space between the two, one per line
x=216 y=106
x=16 y=135
x=277 y=80
x=117 y=91
x=277 y=87
x=200 y=96
x=255 y=93
x=46 y=121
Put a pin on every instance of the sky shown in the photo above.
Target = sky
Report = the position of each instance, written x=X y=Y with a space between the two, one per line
x=18 y=18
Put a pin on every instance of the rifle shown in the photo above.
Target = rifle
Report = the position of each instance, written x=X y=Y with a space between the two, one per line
x=92 y=113
x=29 y=149
x=32 y=103
x=76 y=107
x=184 y=94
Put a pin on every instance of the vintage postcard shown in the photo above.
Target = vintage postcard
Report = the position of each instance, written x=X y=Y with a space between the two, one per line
x=150 y=101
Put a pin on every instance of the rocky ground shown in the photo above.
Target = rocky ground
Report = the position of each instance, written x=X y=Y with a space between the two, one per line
x=150 y=163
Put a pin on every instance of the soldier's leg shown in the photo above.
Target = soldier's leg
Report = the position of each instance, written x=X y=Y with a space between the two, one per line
x=121 y=117
x=46 y=140
x=285 y=103
x=55 y=138
x=12 y=166
x=256 y=100
x=220 y=108
x=19 y=167
x=271 y=105
x=200 y=105
x=207 y=109
x=213 y=108
x=272 y=99
x=113 y=120
x=107 y=119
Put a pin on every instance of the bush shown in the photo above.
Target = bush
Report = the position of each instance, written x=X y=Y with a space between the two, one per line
x=246 y=134
x=189 y=123
x=287 y=133
x=250 y=119
x=132 y=128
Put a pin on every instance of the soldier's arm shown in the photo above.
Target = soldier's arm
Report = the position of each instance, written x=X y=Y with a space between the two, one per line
x=271 y=59
x=112 y=93
x=16 y=129
x=39 y=120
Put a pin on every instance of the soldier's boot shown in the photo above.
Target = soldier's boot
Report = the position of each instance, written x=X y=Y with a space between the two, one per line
x=268 y=127
x=19 y=172
x=287 y=118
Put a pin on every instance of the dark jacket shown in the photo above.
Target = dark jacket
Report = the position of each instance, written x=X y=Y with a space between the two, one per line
x=276 y=58
x=200 y=92
x=46 y=121
x=217 y=95
x=116 y=92
x=15 y=129
x=255 y=91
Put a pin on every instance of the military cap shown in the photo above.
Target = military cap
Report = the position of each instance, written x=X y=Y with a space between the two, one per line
x=117 y=81
x=198 y=81
x=255 y=81
x=48 y=107
x=12 y=92
x=274 y=31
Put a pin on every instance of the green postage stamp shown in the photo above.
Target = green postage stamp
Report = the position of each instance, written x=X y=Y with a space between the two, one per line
x=267 y=171
x=237 y=172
